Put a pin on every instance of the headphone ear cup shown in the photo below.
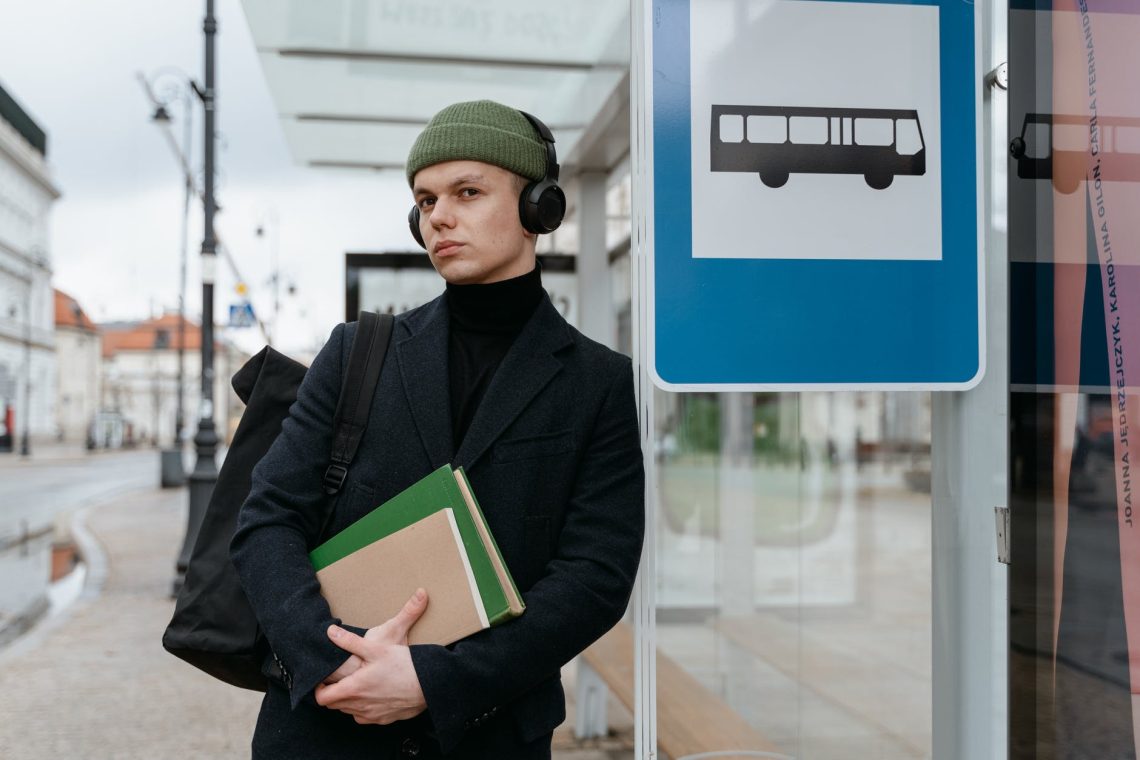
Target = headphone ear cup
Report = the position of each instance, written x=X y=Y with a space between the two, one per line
x=542 y=207
x=414 y=226
x=551 y=207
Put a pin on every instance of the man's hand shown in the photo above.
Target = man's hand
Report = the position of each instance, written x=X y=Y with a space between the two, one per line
x=383 y=688
x=347 y=668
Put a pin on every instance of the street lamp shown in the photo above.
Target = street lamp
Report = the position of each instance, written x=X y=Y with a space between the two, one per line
x=181 y=89
x=273 y=238
x=205 y=473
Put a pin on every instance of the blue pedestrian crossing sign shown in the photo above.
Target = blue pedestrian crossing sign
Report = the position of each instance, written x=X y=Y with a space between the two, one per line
x=812 y=173
x=241 y=315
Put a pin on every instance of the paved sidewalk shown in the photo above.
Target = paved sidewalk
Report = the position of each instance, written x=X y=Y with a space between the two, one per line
x=94 y=681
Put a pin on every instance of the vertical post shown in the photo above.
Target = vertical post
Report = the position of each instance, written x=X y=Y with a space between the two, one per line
x=274 y=239
x=595 y=297
x=188 y=191
x=205 y=473
x=736 y=507
x=25 y=436
x=644 y=601
x=969 y=478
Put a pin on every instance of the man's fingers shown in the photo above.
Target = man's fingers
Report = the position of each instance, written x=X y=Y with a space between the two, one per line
x=321 y=694
x=399 y=625
x=348 y=641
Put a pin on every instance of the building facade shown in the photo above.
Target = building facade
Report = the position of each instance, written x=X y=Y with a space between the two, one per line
x=79 y=348
x=27 y=342
x=140 y=382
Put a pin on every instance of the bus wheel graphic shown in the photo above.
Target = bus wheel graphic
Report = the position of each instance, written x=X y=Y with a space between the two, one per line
x=879 y=181
x=774 y=179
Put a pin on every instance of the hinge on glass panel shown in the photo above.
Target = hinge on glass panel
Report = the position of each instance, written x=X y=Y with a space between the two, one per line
x=999 y=77
x=1001 y=517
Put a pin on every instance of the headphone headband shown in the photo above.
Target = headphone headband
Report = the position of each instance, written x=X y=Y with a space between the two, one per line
x=548 y=141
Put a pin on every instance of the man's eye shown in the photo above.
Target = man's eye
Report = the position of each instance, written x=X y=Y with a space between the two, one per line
x=468 y=192
x=426 y=203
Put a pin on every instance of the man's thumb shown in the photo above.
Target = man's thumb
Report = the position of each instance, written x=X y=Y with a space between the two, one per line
x=409 y=614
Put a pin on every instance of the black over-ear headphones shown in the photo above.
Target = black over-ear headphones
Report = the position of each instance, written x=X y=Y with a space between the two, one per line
x=542 y=204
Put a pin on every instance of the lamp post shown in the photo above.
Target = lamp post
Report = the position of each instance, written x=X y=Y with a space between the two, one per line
x=25 y=436
x=173 y=473
x=184 y=93
x=272 y=237
x=205 y=473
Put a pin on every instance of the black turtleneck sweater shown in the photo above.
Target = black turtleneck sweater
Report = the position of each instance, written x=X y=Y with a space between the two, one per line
x=485 y=320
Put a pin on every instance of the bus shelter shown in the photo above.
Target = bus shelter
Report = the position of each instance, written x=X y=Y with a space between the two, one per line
x=820 y=576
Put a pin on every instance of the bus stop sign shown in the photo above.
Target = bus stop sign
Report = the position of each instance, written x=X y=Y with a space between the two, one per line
x=812 y=168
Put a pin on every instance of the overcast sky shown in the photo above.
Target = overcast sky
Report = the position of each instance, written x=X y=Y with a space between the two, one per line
x=115 y=231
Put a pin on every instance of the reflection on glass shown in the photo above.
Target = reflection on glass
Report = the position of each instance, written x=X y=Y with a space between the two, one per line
x=793 y=581
x=1075 y=364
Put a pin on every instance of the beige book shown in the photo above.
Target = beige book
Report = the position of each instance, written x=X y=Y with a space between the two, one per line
x=369 y=586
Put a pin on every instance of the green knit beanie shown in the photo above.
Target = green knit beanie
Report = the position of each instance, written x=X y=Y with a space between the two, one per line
x=480 y=130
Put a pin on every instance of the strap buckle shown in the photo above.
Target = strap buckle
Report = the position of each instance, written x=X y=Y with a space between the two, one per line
x=334 y=478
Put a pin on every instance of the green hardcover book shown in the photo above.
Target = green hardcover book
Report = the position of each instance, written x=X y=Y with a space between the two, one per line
x=439 y=490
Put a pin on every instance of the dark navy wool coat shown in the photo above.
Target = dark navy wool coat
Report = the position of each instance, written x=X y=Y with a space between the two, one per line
x=553 y=454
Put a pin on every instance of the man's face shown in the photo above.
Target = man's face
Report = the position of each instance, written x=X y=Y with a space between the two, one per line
x=469 y=219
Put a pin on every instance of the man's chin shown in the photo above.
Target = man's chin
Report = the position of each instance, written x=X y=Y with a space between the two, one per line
x=454 y=273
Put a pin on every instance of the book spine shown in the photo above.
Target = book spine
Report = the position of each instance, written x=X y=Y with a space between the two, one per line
x=494 y=544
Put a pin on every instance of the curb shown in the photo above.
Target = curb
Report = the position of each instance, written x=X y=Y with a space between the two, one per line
x=93 y=562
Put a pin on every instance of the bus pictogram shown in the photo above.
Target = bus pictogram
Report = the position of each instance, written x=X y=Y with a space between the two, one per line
x=1057 y=147
x=778 y=141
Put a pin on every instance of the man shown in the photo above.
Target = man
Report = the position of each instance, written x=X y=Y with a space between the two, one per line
x=488 y=377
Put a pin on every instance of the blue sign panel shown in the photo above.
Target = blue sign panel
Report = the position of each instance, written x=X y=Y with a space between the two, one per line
x=241 y=315
x=814 y=173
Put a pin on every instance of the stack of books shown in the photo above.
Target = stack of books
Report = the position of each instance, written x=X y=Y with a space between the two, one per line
x=433 y=536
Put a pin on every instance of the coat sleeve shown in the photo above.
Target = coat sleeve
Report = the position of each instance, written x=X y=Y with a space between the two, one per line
x=279 y=522
x=582 y=594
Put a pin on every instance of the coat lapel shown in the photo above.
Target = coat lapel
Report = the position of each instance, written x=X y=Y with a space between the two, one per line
x=526 y=369
x=423 y=370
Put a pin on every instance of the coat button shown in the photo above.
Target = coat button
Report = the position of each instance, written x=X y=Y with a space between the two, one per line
x=411 y=748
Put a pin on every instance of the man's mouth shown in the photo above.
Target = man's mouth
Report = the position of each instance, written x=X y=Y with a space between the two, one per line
x=445 y=247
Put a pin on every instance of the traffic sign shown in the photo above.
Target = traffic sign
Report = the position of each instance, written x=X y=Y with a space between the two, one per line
x=813 y=172
x=241 y=315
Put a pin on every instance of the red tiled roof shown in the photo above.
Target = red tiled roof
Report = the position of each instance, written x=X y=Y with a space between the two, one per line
x=160 y=332
x=68 y=313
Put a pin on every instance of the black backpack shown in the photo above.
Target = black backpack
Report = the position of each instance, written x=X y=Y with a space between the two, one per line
x=214 y=628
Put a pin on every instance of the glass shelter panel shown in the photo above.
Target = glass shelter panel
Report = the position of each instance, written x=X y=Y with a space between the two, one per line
x=793 y=568
x=1074 y=234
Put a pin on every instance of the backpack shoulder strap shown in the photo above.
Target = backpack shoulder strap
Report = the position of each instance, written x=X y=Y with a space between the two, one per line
x=365 y=360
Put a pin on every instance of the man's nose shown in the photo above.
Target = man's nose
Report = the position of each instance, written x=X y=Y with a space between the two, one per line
x=442 y=214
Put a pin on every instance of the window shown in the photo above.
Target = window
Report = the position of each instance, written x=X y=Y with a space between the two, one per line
x=1125 y=140
x=808 y=130
x=874 y=132
x=767 y=129
x=731 y=128
x=909 y=140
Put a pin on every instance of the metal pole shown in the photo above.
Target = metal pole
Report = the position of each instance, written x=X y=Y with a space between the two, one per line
x=276 y=275
x=187 y=137
x=969 y=470
x=205 y=473
x=25 y=444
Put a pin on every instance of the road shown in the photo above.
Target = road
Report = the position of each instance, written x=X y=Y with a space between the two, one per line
x=38 y=496
x=33 y=492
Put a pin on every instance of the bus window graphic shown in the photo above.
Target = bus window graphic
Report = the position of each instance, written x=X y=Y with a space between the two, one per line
x=777 y=141
x=1057 y=147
